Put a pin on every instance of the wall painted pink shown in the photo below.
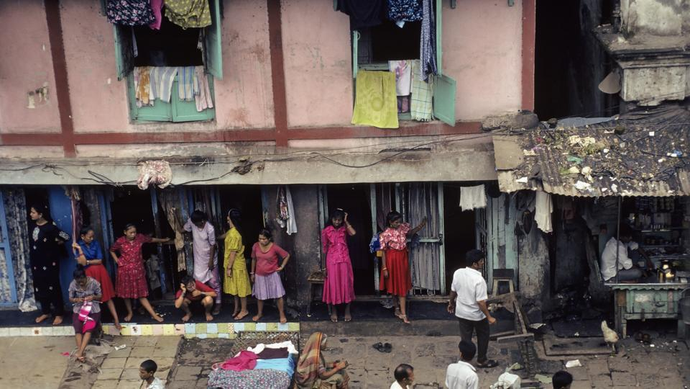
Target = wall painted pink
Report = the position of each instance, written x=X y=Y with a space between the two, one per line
x=318 y=63
x=25 y=65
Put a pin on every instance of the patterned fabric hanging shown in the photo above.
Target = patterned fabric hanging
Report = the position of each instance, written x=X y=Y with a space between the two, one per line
x=405 y=10
x=130 y=12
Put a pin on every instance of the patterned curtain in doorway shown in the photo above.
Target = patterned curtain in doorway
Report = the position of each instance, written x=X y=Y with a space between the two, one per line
x=18 y=231
x=173 y=201
x=422 y=200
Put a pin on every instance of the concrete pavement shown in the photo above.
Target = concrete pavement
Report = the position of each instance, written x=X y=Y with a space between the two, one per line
x=33 y=362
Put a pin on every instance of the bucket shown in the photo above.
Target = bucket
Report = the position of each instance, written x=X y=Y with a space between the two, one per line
x=685 y=307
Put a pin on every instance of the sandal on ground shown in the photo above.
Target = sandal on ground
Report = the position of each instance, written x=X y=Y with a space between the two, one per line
x=387 y=348
x=487 y=364
x=379 y=347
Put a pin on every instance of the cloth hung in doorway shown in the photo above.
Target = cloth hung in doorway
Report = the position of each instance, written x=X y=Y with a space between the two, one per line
x=425 y=258
x=157 y=9
x=203 y=98
x=421 y=107
x=403 y=76
x=405 y=10
x=142 y=86
x=152 y=270
x=427 y=41
x=375 y=100
x=186 y=83
x=169 y=200
x=154 y=172
x=363 y=13
x=472 y=197
x=542 y=213
x=162 y=79
x=286 y=211
x=130 y=12
x=188 y=13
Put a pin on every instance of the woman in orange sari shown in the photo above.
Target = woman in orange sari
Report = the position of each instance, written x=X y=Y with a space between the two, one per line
x=312 y=370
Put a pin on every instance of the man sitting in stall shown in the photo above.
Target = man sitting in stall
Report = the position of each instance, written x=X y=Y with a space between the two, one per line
x=627 y=269
x=192 y=291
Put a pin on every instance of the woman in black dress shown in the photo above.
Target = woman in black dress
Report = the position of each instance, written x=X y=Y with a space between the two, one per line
x=46 y=239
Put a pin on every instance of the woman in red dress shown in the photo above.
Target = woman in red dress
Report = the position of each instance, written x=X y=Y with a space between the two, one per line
x=90 y=255
x=131 y=276
x=395 y=270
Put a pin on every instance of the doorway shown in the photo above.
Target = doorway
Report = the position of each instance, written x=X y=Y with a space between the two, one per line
x=247 y=199
x=355 y=200
x=460 y=231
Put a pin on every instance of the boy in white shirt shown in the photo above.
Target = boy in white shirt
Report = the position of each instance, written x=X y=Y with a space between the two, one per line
x=146 y=371
x=404 y=377
x=462 y=375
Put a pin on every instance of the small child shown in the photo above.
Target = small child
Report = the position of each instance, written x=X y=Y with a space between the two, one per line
x=562 y=380
x=404 y=377
x=146 y=371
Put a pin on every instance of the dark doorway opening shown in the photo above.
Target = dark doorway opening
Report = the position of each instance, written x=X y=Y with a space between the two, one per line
x=247 y=199
x=460 y=231
x=354 y=199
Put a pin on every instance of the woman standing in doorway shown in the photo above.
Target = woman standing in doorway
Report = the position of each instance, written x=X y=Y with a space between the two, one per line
x=395 y=270
x=236 y=277
x=90 y=256
x=264 y=274
x=131 y=275
x=44 y=257
x=338 y=287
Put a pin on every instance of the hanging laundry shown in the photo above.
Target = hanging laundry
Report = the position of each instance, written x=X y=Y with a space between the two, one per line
x=188 y=13
x=472 y=197
x=363 y=13
x=162 y=79
x=130 y=12
x=542 y=213
x=286 y=211
x=421 y=106
x=142 y=86
x=375 y=100
x=185 y=83
x=427 y=42
x=154 y=173
x=157 y=8
x=405 y=10
x=403 y=104
x=204 y=99
x=152 y=272
x=403 y=76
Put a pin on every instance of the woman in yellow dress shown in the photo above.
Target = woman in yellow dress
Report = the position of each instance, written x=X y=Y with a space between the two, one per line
x=236 y=277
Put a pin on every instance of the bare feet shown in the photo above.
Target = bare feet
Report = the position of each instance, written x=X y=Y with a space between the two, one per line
x=186 y=317
x=398 y=314
x=404 y=319
x=241 y=315
x=257 y=317
x=81 y=359
x=42 y=318
x=216 y=310
x=348 y=317
x=118 y=326
x=283 y=320
x=334 y=317
x=235 y=313
x=157 y=318
x=57 y=321
x=128 y=318
x=209 y=317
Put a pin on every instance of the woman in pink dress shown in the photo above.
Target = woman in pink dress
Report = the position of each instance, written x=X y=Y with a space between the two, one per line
x=338 y=287
x=131 y=275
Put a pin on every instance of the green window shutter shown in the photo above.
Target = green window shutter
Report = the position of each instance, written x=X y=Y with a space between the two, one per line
x=185 y=111
x=124 y=51
x=439 y=35
x=104 y=6
x=159 y=112
x=444 y=99
x=355 y=53
x=214 y=48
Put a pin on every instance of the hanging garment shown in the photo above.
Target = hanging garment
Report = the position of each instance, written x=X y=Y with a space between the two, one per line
x=130 y=12
x=363 y=13
x=542 y=214
x=170 y=200
x=405 y=10
x=18 y=232
x=204 y=97
x=425 y=258
x=427 y=42
x=403 y=104
x=403 y=76
x=157 y=8
x=152 y=272
x=142 y=86
x=286 y=211
x=188 y=13
x=422 y=94
x=375 y=100
x=472 y=197
x=162 y=79
x=154 y=172
x=186 y=83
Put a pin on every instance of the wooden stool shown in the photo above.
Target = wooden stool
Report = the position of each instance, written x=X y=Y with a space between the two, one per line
x=316 y=278
x=503 y=275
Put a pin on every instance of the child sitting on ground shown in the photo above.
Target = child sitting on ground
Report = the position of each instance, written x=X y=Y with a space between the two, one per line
x=146 y=371
x=562 y=380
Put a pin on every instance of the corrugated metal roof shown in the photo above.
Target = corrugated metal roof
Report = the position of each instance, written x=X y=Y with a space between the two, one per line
x=638 y=154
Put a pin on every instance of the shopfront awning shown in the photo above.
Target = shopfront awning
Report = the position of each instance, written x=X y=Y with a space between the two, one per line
x=636 y=154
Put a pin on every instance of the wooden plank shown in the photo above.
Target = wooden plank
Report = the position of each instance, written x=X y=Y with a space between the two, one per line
x=512 y=338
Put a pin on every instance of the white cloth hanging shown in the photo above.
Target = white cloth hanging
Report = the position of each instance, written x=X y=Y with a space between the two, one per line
x=472 y=197
x=291 y=221
x=542 y=213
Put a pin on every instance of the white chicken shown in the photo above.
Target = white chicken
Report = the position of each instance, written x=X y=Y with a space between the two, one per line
x=610 y=336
